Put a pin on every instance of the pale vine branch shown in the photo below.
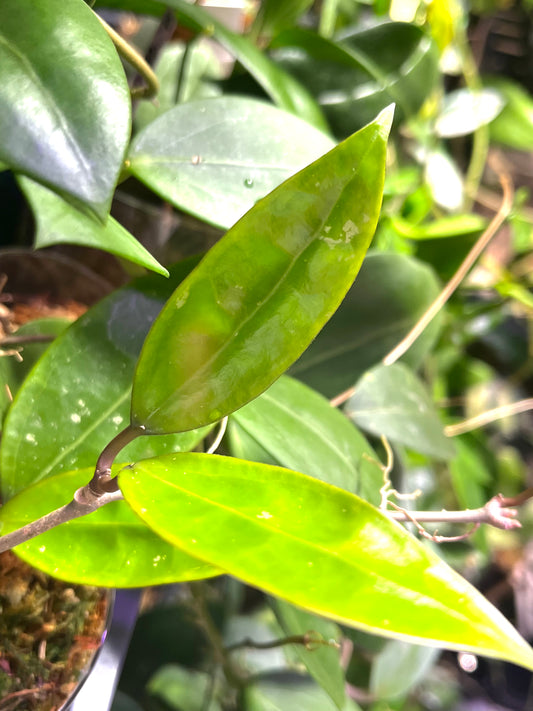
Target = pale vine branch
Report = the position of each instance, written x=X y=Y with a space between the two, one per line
x=484 y=418
x=137 y=62
x=83 y=503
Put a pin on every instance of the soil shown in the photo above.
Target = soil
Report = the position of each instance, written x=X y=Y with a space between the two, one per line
x=49 y=631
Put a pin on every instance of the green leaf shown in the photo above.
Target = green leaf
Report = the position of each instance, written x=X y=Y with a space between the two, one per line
x=514 y=125
x=359 y=73
x=285 y=692
x=181 y=689
x=111 y=547
x=184 y=72
x=390 y=294
x=12 y=370
x=58 y=222
x=297 y=428
x=65 y=119
x=77 y=397
x=282 y=88
x=316 y=546
x=322 y=661
x=217 y=157
x=449 y=226
x=398 y=667
x=390 y=400
x=263 y=291
x=464 y=111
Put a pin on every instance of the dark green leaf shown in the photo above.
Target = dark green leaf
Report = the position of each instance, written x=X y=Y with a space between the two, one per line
x=318 y=547
x=322 y=661
x=217 y=157
x=12 y=370
x=65 y=118
x=400 y=666
x=263 y=291
x=297 y=428
x=58 y=223
x=390 y=400
x=355 y=76
x=181 y=689
x=282 y=88
x=77 y=398
x=111 y=547
x=390 y=294
x=276 y=15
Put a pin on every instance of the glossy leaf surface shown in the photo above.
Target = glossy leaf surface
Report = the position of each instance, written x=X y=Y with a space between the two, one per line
x=282 y=88
x=215 y=158
x=77 y=398
x=65 y=118
x=111 y=547
x=390 y=294
x=12 y=370
x=321 y=661
x=464 y=111
x=263 y=291
x=58 y=222
x=300 y=430
x=318 y=547
x=390 y=400
x=357 y=74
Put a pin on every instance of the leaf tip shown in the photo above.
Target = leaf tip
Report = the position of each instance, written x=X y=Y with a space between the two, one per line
x=385 y=118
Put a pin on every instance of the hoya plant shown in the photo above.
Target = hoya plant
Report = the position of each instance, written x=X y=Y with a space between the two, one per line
x=110 y=474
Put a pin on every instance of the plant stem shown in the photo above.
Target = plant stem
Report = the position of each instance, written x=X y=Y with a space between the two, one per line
x=310 y=640
x=102 y=482
x=138 y=62
x=83 y=503
x=484 y=418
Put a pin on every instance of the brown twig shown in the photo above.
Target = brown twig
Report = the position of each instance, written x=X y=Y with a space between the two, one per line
x=484 y=418
x=310 y=640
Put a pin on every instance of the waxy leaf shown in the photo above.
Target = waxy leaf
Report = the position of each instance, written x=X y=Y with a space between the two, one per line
x=111 y=547
x=65 y=116
x=300 y=430
x=318 y=547
x=357 y=74
x=282 y=88
x=216 y=157
x=12 y=370
x=77 y=397
x=58 y=222
x=390 y=400
x=390 y=294
x=322 y=661
x=263 y=291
